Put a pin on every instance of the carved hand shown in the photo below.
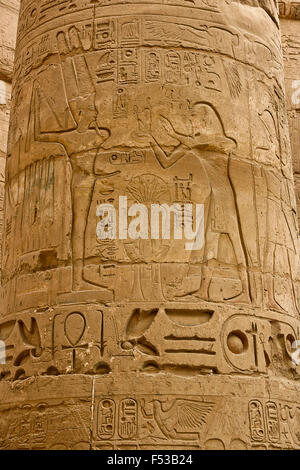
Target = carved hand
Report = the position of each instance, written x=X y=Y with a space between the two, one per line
x=168 y=126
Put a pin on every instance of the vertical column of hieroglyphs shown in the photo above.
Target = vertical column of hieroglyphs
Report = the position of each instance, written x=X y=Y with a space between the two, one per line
x=8 y=33
x=290 y=29
x=126 y=343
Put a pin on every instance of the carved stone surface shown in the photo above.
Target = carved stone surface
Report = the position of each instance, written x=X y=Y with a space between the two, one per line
x=129 y=344
x=289 y=9
x=290 y=29
x=8 y=32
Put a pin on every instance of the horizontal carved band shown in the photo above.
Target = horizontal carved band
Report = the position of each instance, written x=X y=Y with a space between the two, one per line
x=289 y=10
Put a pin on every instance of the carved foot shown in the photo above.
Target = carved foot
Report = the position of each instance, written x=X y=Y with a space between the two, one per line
x=272 y=305
x=241 y=299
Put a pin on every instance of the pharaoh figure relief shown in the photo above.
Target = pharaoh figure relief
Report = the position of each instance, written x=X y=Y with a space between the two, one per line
x=141 y=343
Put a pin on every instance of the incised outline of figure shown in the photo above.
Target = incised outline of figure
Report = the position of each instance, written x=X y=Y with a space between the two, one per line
x=81 y=143
x=211 y=146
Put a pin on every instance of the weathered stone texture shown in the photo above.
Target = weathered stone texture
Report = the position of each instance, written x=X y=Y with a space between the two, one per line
x=290 y=29
x=8 y=33
x=136 y=344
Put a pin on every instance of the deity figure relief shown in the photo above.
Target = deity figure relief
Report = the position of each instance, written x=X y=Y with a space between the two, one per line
x=81 y=142
x=211 y=146
x=279 y=243
x=271 y=150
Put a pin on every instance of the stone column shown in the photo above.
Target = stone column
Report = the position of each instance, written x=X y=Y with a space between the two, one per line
x=144 y=343
x=290 y=30
x=8 y=32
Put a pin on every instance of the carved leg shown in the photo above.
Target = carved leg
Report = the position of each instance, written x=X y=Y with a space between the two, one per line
x=80 y=201
x=272 y=304
x=244 y=297
x=207 y=272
